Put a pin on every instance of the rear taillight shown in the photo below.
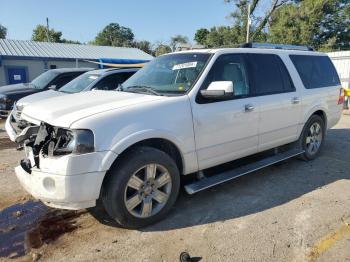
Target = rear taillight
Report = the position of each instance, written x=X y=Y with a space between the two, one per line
x=341 y=96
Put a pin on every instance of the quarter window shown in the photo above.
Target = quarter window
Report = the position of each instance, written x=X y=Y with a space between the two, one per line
x=315 y=71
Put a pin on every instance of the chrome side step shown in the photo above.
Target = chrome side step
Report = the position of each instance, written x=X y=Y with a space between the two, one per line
x=211 y=181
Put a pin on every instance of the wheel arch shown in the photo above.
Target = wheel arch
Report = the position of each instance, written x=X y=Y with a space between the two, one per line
x=162 y=144
x=322 y=114
x=320 y=111
x=163 y=141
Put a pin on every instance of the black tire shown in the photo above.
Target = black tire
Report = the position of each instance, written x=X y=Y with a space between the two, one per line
x=308 y=155
x=115 y=187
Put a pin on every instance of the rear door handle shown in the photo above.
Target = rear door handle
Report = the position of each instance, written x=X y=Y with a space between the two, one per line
x=295 y=100
x=248 y=108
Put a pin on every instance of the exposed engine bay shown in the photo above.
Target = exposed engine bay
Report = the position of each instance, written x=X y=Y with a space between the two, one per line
x=46 y=141
x=49 y=141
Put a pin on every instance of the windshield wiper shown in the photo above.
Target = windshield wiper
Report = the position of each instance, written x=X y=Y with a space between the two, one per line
x=142 y=89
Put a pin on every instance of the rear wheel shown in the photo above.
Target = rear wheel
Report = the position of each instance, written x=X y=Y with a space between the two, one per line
x=311 y=140
x=141 y=188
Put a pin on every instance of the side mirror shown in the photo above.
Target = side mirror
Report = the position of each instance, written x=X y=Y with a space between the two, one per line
x=219 y=90
x=53 y=87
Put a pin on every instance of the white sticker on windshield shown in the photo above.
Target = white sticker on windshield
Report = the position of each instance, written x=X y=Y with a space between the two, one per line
x=185 y=65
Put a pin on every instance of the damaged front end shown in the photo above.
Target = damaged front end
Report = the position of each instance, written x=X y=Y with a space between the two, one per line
x=46 y=141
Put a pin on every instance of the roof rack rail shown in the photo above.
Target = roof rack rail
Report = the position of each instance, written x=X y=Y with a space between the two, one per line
x=276 y=46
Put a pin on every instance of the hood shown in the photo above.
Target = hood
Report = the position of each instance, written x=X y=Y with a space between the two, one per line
x=63 y=111
x=17 y=91
x=16 y=88
x=37 y=97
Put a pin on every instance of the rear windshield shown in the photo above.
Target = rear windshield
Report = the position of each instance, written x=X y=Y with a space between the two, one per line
x=315 y=71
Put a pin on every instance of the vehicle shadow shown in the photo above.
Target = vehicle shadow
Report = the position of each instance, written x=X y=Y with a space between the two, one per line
x=259 y=191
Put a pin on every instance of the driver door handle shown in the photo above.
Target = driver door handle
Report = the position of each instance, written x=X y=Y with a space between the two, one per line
x=249 y=108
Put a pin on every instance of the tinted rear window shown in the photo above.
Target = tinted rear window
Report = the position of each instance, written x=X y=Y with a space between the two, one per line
x=315 y=71
x=269 y=74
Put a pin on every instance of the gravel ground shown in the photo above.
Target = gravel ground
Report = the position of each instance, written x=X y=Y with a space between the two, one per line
x=295 y=211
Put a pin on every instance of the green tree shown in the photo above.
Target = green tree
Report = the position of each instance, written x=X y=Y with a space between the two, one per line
x=323 y=24
x=223 y=36
x=334 y=29
x=115 y=35
x=259 y=20
x=3 y=32
x=66 y=41
x=144 y=46
x=40 y=34
x=231 y=36
x=176 y=40
x=201 y=36
x=161 y=49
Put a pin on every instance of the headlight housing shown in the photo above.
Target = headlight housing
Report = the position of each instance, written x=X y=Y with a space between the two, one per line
x=76 y=141
x=18 y=106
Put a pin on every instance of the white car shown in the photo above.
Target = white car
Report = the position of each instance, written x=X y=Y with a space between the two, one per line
x=181 y=114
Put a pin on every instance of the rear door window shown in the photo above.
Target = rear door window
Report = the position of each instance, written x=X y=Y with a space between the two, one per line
x=315 y=71
x=269 y=75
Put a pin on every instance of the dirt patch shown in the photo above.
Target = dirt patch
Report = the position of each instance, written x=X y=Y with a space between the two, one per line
x=6 y=143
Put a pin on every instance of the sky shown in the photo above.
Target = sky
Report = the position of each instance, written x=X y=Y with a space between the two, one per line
x=152 y=20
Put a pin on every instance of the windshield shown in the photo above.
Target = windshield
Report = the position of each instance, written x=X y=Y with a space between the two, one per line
x=79 y=84
x=174 y=73
x=44 y=79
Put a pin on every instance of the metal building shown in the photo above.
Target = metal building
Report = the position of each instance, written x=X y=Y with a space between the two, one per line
x=341 y=61
x=21 y=61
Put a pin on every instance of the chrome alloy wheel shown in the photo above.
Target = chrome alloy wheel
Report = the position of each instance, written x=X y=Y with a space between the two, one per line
x=147 y=191
x=314 y=138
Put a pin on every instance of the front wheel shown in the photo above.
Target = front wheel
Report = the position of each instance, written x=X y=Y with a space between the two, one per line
x=141 y=188
x=311 y=140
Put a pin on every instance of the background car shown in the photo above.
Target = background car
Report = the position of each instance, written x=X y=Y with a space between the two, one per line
x=103 y=79
x=51 y=79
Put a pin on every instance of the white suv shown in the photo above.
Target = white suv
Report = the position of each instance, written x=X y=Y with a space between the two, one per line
x=181 y=114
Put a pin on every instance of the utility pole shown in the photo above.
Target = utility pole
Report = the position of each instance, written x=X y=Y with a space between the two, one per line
x=47 y=29
x=249 y=21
